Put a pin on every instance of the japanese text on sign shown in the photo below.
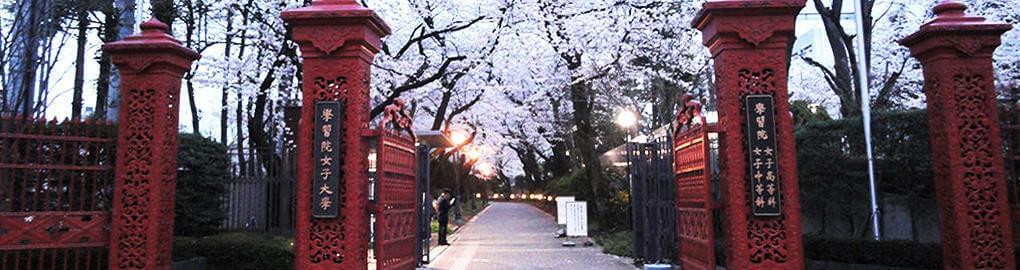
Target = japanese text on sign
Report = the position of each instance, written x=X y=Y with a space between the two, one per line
x=327 y=148
x=763 y=163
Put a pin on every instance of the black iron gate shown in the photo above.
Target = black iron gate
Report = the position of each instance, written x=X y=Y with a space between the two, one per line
x=653 y=191
x=424 y=205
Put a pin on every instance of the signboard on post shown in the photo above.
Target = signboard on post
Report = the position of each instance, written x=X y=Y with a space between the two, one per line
x=326 y=178
x=561 y=209
x=762 y=161
x=577 y=218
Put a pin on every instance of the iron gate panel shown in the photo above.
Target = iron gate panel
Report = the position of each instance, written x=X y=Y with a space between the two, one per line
x=55 y=195
x=652 y=199
x=692 y=167
x=424 y=206
x=396 y=211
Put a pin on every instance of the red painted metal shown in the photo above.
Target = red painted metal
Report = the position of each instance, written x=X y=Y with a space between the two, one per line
x=395 y=191
x=338 y=40
x=54 y=197
x=692 y=170
x=1011 y=141
x=151 y=65
x=955 y=51
x=749 y=41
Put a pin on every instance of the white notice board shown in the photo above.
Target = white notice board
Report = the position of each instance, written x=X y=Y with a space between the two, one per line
x=577 y=218
x=561 y=209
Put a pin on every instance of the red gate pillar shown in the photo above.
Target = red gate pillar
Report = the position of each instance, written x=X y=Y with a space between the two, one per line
x=338 y=40
x=749 y=40
x=151 y=65
x=955 y=51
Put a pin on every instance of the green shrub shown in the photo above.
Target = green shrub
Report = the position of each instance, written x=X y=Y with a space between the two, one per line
x=832 y=165
x=201 y=182
x=564 y=186
x=241 y=251
x=889 y=252
x=620 y=243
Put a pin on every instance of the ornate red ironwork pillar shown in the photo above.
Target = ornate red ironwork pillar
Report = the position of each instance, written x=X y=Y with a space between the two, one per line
x=749 y=40
x=151 y=65
x=955 y=51
x=338 y=40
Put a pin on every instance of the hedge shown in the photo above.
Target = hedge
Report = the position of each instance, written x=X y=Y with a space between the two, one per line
x=240 y=251
x=203 y=169
x=832 y=165
x=888 y=252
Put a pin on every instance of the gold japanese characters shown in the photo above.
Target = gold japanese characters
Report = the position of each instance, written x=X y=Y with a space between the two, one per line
x=327 y=174
x=761 y=145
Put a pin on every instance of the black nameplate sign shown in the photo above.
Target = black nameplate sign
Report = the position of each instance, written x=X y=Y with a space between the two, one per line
x=326 y=177
x=762 y=160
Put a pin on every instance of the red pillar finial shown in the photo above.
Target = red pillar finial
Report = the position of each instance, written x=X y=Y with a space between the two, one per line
x=154 y=25
x=151 y=65
x=950 y=8
x=336 y=2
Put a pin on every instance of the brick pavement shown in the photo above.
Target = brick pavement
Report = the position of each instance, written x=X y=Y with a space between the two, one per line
x=518 y=236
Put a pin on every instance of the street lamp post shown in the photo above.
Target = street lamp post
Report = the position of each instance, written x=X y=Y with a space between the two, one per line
x=463 y=160
x=458 y=159
x=626 y=120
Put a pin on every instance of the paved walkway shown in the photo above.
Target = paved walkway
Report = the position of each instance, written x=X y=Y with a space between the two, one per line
x=518 y=236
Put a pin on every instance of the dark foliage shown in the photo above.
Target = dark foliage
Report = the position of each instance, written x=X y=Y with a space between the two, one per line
x=888 y=253
x=203 y=169
x=832 y=165
x=240 y=251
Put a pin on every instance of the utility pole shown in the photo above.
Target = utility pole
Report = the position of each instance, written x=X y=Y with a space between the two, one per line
x=862 y=80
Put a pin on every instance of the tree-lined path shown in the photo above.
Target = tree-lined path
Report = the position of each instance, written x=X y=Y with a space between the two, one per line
x=518 y=236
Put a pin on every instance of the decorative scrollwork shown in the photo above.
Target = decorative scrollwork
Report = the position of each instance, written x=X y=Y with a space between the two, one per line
x=136 y=190
x=980 y=179
x=755 y=33
x=689 y=111
x=397 y=116
x=756 y=82
x=327 y=241
x=326 y=237
x=766 y=239
x=331 y=89
x=694 y=224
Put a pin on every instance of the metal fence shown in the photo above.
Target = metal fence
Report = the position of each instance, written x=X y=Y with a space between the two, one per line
x=260 y=192
x=55 y=191
x=653 y=193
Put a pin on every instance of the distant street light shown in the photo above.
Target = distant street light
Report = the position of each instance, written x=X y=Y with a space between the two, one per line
x=626 y=119
x=458 y=137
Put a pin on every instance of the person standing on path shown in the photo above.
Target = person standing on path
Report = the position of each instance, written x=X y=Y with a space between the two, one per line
x=443 y=209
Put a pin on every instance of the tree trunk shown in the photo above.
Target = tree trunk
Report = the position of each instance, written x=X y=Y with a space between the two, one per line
x=79 y=71
x=441 y=111
x=105 y=82
x=190 y=42
x=226 y=90
x=26 y=57
x=582 y=98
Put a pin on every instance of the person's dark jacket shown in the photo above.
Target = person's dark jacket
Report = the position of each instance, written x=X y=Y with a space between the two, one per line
x=444 y=205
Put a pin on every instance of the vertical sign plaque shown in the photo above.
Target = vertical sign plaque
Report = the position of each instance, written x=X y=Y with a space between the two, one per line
x=762 y=161
x=577 y=218
x=326 y=178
